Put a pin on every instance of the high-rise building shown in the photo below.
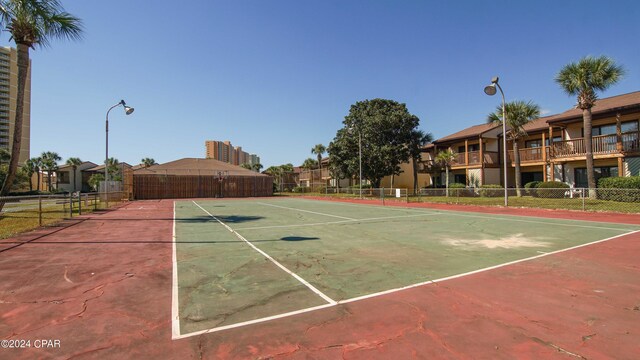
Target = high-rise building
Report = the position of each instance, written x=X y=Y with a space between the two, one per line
x=8 y=95
x=224 y=151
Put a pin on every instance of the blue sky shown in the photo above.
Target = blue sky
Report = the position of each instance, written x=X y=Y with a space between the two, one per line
x=277 y=77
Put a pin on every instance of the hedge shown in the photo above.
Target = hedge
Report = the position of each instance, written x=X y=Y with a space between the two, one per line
x=625 y=189
x=549 y=189
x=491 y=190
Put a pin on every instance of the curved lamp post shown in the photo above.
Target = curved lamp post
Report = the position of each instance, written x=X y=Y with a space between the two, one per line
x=127 y=110
x=491 y=90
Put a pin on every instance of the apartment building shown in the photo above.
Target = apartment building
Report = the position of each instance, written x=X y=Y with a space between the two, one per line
x=8 y=95
x=553 y=149
x=225 y=152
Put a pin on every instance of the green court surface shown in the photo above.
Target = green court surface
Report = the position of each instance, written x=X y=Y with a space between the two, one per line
x=245 y=261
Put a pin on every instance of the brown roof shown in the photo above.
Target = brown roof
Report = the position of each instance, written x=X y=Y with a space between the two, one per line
x=606 y=105
x=196 y=166
x=101 y=167
x=475 y=130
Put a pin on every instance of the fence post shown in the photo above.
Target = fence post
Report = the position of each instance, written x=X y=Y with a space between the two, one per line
x=382 y=194
x=582 y=196
x=39 y=210
x=79 y=203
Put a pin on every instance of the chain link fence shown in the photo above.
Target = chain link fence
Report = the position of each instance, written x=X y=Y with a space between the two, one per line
x=23 y=213
x=612 y=200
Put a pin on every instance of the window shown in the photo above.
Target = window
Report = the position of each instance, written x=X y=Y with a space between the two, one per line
x=533 y=143
x=555 y=139
x=63 y=177
x=460 y=179
x=610 y=129
x=600 y=172
x=472 y=147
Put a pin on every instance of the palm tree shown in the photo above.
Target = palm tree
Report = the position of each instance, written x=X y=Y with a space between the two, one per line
x=146 y=162
x=74 y=162
x=50 y=164
x=31 y=23
x=32 y=166
x=309 y=164
x=582 y=79
x=319 y=150
x=113 y=168
x=446 y=158
x=418 y=140
x=257 y=167
x=246 y=166
x=518 y=114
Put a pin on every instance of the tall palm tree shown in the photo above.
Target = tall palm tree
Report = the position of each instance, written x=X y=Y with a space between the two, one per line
x=37 y=166
x=146 y=162
x=518 y=114
x=31 y=23
x=50 y=164
x=446 y=158
x=74 y=162
x=30 y=167
x=319 y=150
x=582 y=79
x=419 y=139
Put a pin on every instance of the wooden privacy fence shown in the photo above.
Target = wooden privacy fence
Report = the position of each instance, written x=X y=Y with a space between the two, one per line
x=199 y=186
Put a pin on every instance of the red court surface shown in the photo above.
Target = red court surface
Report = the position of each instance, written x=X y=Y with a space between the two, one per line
x=100 y=288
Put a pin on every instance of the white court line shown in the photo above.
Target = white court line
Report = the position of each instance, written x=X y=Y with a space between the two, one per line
x=274 y=317
x=307 y=211
x=336 y=222
x=175 y=313
x=502 y=217
x=303 y=281
x=255 y=321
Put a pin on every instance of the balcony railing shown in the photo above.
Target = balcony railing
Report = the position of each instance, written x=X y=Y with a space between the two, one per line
x=315 y=175
x=603 y=144
x=490 y=158
x=529 y=154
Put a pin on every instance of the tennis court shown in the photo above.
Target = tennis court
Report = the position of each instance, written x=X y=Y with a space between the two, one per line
x=237 y=263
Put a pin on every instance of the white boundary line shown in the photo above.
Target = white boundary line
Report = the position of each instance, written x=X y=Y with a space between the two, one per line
x=175 y=312
x=296 y=276
x=308 y=211
x=256 y=321
x=176 y=323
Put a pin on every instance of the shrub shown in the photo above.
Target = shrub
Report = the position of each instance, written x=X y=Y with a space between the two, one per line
x=549 y=189
x=491 y=190
x=530 y=186
x=454 y=189
x=625 y=189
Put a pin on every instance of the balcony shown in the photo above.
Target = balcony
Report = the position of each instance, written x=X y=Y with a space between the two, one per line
x=315 y=175
x=529 y=155
x=602 y=145
x=490 y=158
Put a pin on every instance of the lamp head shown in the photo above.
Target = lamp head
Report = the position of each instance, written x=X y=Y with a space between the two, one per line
x=490 y=89
x=128 y=110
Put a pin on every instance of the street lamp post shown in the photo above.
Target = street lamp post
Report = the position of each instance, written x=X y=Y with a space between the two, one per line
x=360 y=159
x=491 y=90
x=127 y=110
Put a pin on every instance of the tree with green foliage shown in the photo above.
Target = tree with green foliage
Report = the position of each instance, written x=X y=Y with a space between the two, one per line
x=32 y=166
x=113 y=168
x=419 y=139
x=309 y=164
x=74 y=162
x=50 y=165
x=95 y=180
x=319 y=149
x=146 y=162
x=278 y=173
x=518 y=114
x=31 y=23
x=446 y=158
x=384 y=128
x=246 y=166
x=582 y=79
x=256 y=167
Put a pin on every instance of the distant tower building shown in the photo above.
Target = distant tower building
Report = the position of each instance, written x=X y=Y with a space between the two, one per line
x=224 y=151
x=8 y=95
